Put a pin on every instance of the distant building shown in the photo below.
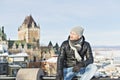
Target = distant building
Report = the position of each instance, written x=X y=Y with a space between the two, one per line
x=28 y=36
x=3 y=36
x=3 y=60
x=29 y=31
x=28 y=41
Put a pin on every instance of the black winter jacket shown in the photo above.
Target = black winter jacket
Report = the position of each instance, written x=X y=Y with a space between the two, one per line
x=67 y=59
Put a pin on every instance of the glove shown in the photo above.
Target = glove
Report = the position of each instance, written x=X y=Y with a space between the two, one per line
x=77 y=67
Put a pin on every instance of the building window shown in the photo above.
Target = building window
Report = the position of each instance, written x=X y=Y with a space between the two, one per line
x=4 y=68
x=16 y=46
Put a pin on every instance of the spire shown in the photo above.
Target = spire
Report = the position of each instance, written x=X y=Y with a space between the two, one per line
x=50 y=44
x=29 y=21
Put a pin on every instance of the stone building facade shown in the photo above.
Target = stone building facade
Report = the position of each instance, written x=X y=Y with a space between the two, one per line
x=29 y=31
x=28 y=38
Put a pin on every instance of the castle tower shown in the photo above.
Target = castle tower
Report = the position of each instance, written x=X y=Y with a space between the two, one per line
x=29 y=31
x=3 y=36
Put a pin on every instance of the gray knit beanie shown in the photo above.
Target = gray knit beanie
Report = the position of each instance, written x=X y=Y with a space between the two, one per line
x=78 y=30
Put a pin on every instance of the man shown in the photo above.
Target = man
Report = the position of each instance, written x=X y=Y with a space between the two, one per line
x=75 y=58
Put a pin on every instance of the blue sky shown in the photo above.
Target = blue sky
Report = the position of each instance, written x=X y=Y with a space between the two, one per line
x=100 y=19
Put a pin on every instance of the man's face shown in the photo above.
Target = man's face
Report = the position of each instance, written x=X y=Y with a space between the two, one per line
x=74 y=36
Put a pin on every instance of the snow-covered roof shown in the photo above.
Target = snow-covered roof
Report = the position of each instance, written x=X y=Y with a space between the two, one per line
x=14 y=65
x=19 y=55
x=52 y=60
x=4 y=54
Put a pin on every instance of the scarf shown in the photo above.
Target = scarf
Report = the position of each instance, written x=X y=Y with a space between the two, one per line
x=76 y=46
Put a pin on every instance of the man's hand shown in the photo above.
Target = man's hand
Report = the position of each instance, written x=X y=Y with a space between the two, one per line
x=77 y=67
